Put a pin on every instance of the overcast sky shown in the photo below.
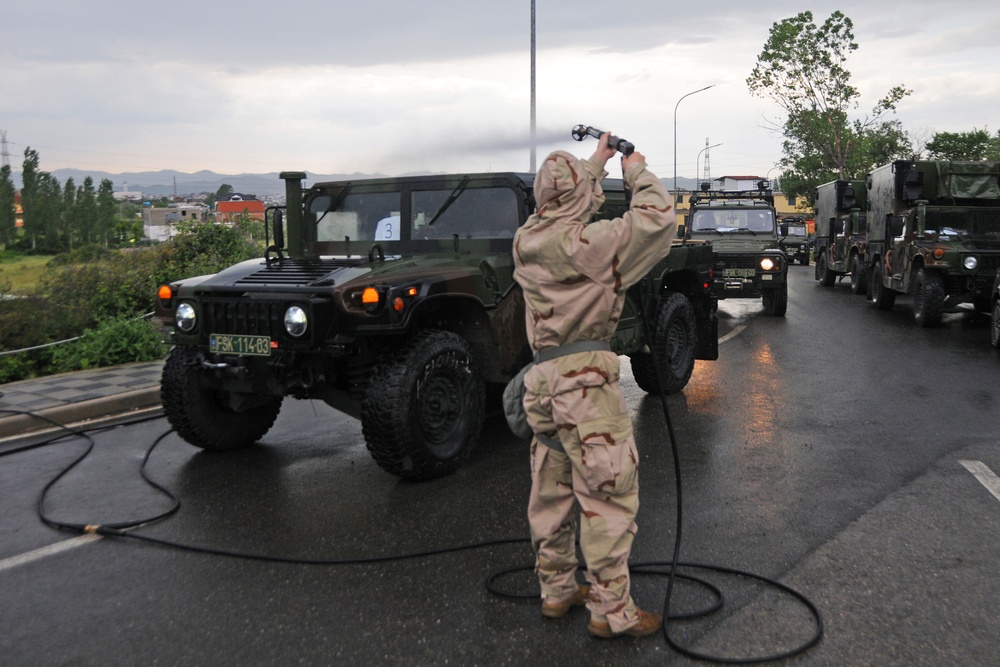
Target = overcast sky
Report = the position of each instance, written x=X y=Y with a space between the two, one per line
x=395 y=86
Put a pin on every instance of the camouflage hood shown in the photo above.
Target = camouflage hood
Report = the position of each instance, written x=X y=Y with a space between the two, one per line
x=564 y=190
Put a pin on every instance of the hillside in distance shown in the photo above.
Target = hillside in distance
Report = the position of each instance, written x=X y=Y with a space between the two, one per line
x=167 y=182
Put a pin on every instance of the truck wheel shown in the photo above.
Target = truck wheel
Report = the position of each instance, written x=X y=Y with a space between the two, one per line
x=995 y=325
x=884 y=299
x=805 y=260
x=858 y=281
x=675 y=337
x=928 y=298
x=213 y=420
x=823 y=272
x=775 y=302
x=424 y=406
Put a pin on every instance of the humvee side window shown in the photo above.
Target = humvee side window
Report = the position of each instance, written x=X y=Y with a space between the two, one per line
x=476 y=213
x=359 y=215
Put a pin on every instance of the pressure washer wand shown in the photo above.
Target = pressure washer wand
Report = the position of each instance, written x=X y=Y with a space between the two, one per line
x=581 y=132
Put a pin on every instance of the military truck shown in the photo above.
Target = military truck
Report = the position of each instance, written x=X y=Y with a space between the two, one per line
x=995 y=312
x=934 y=232
x=842 y=233
x=394 y=302
x=794 y=240
x=741 y=227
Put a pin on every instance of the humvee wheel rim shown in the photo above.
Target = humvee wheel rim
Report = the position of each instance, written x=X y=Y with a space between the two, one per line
x=440 y=399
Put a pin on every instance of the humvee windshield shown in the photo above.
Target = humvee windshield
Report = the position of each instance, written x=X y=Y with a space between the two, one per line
x=964 y=222
x=469 y=213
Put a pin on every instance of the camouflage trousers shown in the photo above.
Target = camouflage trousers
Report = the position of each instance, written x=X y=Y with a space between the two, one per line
x=576 y=401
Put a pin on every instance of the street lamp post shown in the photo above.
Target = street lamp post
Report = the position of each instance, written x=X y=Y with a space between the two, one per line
x=531 y=166
x=675 y=133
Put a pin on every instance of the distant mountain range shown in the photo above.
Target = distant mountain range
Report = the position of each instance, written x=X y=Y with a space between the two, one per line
x=167 y=182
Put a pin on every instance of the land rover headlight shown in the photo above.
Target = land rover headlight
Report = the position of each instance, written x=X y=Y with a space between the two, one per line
x=185 y=317
x=970 y=262
x=767 y=264
x=296 y=321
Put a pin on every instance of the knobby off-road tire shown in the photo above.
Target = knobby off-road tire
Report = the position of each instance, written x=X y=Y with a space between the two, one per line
x=995 y=325
x=823 y=273
x=883 y=298
x=206 y=418
x=859 y=282
x=775 y=301
x=928 y=298
x=423 y=408
x=675 y=337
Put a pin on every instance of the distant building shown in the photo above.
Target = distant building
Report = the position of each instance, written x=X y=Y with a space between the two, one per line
x=159 y=224
x=228 y=210
x=126 y=195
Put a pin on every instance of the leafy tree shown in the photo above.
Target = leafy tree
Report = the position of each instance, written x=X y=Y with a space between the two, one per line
x=802 y=69
x=68 y=226
x=86 y=212
x=29 y=194
x=48 y=207
x=8 y=217
x=974 y=145
x=107 y=210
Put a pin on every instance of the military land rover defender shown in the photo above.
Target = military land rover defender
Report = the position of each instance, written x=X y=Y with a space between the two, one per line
x=794 y=240
x=742 y=229
x=394 y=302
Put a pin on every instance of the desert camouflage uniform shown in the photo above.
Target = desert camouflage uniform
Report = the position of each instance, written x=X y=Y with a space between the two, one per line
x=574 y=276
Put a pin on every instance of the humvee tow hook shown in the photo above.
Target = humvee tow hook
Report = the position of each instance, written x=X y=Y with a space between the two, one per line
x=581 y=132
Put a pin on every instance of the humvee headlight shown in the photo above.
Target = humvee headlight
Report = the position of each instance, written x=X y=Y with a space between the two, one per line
x=970 y=262
x=767 y=264
x=185 y=317
x=296 y=321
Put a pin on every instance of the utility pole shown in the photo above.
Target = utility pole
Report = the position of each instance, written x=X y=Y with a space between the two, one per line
x=4 y=151
x=707 y=176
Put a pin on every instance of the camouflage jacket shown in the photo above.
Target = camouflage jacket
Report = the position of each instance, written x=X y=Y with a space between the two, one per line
x=574 y=274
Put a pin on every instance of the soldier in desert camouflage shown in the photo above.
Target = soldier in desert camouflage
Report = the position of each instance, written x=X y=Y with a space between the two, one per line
x=583 y=455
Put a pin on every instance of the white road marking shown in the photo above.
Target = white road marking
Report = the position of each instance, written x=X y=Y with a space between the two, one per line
x=732 y=334
x=37 y=554
x=985 y=476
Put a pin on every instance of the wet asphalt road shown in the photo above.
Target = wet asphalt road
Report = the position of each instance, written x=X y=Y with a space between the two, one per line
x=822 y=449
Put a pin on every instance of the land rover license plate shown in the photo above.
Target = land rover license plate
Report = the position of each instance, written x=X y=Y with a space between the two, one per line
x=259 y=346
x=738 y=272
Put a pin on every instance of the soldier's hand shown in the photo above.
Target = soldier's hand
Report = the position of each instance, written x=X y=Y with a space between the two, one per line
x=635 y=158
x=604 y=152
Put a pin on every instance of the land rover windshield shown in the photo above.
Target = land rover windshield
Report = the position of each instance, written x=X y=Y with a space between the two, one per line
x=733 y=220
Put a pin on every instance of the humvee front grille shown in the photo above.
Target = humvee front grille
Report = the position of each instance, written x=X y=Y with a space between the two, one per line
x=243 y=317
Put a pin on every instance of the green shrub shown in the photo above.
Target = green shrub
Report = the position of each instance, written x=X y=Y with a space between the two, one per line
x=117 y=341
x=88 y=253
x=99 y=291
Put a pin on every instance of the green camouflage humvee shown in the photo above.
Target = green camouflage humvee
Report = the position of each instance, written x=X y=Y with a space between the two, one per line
x=395 y=302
